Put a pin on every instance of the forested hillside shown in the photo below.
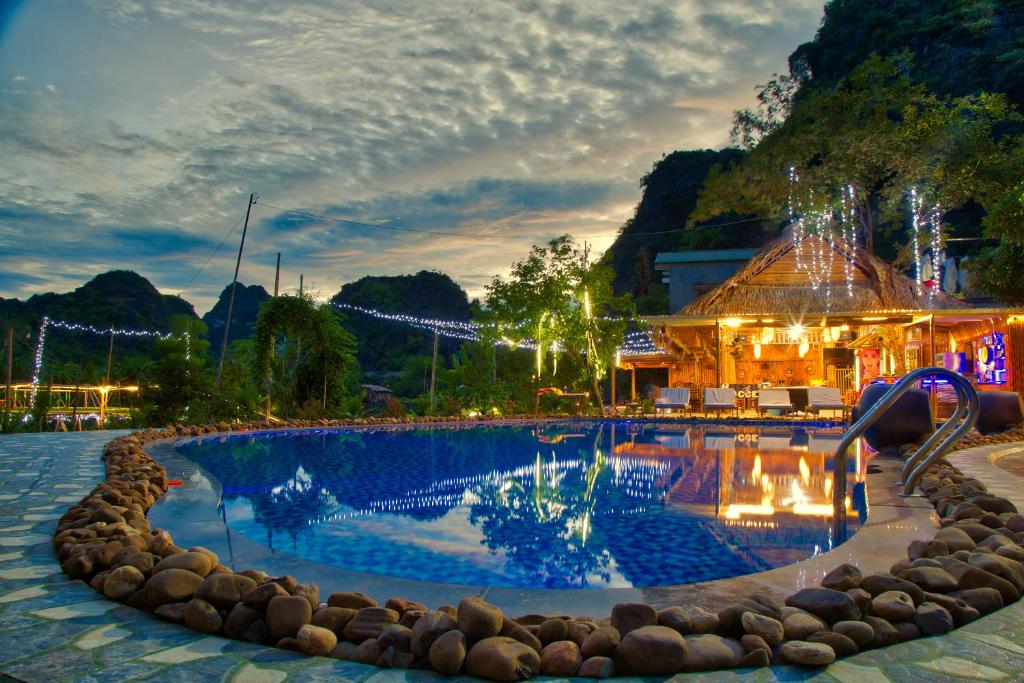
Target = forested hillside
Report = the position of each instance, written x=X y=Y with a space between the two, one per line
x=385 y=346
x=119 y=298
x=669 y=195
x=243 y=313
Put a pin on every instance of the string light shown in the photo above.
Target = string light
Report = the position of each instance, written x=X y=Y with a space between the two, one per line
x=916 y=204
x=48 y=322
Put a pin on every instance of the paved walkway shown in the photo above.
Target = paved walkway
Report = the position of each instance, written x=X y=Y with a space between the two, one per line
x=52 y=629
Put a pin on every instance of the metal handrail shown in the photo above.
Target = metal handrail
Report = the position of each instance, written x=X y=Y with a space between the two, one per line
x=917 y=464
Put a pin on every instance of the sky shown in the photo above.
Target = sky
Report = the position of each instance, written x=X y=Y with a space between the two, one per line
x=133 y=131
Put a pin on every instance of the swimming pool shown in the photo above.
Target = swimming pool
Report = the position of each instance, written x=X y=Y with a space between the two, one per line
x=548 y=505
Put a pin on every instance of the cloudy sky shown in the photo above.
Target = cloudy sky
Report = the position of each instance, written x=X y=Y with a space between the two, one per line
x=133 y=131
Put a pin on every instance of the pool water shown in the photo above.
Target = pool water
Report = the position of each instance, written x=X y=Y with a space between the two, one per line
x=546 y=505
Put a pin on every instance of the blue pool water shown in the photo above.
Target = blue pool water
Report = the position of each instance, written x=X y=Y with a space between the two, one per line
x=557 y=505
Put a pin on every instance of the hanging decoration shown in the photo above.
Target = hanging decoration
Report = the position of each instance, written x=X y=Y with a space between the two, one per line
x=819 y=234
x=929 y=220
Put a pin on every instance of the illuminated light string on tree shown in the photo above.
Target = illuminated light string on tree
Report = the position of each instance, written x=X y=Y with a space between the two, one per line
x=932 y=221
x=834 y=229
x=48 y=322
x=635 y=343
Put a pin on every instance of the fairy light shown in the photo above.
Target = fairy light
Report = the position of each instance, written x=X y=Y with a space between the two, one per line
x=48 y=322
x=935 y=225
x=38 y=363
x=916 y=204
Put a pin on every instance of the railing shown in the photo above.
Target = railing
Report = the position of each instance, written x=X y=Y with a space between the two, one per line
x=934 y=448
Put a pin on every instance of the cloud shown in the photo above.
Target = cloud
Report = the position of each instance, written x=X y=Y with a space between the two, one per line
x=520 y=118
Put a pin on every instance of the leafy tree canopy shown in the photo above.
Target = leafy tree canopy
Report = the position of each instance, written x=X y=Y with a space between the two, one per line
x=882 y=133
x=564 y=305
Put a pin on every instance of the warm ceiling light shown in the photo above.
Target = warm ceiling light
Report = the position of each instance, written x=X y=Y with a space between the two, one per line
x=844 y=327
x=732 y=322
x=796 y=331
x=767 y=320
x=874 y=318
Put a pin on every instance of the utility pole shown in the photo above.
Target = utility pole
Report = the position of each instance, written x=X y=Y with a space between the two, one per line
x=10 y=365
x=231 y=297
x=433 y=372
x=277 y=286
x=110 y=358
x=277 y=275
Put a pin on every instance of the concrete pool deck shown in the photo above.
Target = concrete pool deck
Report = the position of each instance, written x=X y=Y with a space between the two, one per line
x=54 y=629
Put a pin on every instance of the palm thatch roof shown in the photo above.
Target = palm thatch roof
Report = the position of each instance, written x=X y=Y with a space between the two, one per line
x=777 y=281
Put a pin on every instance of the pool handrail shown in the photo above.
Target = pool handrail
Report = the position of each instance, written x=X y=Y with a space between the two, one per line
x=918 y=463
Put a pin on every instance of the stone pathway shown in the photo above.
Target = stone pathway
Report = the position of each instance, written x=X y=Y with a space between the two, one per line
x=52 y=629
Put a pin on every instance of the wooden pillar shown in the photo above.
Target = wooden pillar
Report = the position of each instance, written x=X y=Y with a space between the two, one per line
x=632 y=383
x=1015 y=354
x=718 y=353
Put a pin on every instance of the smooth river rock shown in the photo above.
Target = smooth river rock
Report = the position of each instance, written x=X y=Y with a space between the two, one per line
x=479 y=619
x=502 y=659
x=830 y=605
x=807 y=654
x=651 y=651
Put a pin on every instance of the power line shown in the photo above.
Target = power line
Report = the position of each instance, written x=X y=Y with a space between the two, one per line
x=212 y=254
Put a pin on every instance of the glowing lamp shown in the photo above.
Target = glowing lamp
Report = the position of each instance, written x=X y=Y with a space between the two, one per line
x=767 y=335
x=732 y=322
x=796 y=331
x=757 y=351
x=804 y=347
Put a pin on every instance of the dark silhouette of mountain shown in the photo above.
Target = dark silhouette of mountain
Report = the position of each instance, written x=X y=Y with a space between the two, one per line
x=384 y=345
x=669 y=197
x=243 y=314
x=119 y=298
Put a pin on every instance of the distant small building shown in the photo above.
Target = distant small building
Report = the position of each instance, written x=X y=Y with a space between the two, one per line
x=691 y=274
x=375 y=393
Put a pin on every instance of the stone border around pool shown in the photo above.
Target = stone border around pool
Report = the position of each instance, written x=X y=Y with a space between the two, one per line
x=973 y=566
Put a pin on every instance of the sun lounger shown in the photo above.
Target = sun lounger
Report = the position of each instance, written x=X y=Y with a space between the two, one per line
x=720 y=398
x=672 y=399
x=773 y=399
x=825 y=398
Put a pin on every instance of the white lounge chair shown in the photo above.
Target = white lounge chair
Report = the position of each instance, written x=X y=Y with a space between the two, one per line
x=670 y=399
x=720 y=398
x=825 y=398
x=773 y=399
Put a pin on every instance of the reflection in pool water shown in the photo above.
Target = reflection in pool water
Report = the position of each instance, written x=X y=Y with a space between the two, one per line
x=561 y=505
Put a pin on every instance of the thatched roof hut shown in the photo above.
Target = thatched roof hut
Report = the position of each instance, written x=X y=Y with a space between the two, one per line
x=778 y=281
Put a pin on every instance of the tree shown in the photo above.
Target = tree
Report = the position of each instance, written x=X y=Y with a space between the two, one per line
x=882 y=133
x=318 y=370
x=182 y=375
x=564 y=306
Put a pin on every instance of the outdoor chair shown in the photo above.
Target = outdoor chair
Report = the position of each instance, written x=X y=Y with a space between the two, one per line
x=670 y=399
x=773 y=399
x=825 y=398
x=720 y=398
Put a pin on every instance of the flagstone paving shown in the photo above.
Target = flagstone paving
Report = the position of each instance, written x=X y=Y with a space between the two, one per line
x=53 y=629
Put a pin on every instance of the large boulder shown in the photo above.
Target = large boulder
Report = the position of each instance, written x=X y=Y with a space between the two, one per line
x=447 y=652
x=427 y=629
x=224 y=590
x=628 y=616
x=171 y=585
x=830 y=605
x=560 y=658
x=651 y=651
x=479 y=619
x=601 y=642
x=501 y=659
x=368 y=622
x=286 y=615
x=707 y=652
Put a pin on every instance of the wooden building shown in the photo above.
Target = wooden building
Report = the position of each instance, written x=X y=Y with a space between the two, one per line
x=813 y=313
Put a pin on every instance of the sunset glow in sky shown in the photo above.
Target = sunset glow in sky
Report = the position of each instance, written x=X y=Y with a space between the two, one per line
x=133 y=131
